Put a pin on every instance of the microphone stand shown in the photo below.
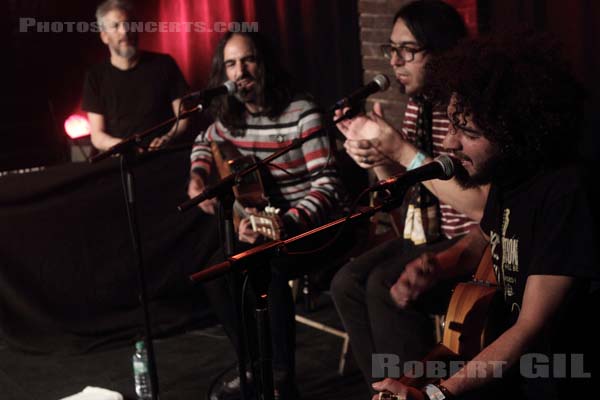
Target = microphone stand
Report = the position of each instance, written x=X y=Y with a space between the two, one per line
x=127 y=149
x=246 y=260
x=261 y=277
x=128 y=157
x=226 y=200
x=136 y=139
x=256 y=263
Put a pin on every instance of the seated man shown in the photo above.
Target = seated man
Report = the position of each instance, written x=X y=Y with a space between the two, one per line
x=421 y=31
x=266 y=115
x=514 y=112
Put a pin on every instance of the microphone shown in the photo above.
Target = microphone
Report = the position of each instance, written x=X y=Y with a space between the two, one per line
x=207 y=95
x=441 y=167
x=379 y=83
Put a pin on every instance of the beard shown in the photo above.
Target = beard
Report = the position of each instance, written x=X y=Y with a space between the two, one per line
x=127 y=52
x=485 y=173
x=247 y=95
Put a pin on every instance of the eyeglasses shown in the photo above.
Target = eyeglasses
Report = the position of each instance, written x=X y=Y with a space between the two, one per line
x=406 y=53
x=461 y=126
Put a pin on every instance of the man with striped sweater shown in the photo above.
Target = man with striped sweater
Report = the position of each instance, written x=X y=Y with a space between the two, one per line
x=265 y=115
x=308 y=194
x=437 y=213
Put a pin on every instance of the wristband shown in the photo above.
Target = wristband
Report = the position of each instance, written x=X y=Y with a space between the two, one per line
x=445 y=390
x=437 y=392
x=417 y=161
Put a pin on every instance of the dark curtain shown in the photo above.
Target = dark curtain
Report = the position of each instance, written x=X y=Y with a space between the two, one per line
x=68 y=280
x=318 y=40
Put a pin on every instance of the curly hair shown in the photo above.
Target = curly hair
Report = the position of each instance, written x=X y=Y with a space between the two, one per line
x=518 y=91
x=274 y=89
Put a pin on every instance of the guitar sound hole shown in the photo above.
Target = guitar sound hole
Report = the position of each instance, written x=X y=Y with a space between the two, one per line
x=455 y=326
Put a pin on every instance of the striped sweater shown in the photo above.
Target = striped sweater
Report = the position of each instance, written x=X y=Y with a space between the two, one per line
x=309 y=197
x=453 y=222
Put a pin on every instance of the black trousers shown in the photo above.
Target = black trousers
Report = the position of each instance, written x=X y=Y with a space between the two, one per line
x=374 y=323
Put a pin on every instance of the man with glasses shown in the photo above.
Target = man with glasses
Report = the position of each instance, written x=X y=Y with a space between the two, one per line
x=366 y=290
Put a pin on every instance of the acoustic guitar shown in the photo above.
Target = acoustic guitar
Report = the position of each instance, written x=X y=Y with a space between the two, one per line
x=470 y=322
x=249 y=192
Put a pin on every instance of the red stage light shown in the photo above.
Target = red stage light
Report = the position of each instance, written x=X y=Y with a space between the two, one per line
x=77 y=126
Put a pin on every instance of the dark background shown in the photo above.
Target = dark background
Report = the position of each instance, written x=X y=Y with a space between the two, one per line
x=319 y=42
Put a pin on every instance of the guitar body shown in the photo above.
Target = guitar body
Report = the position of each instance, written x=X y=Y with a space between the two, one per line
x=249 y=192
x=465 y=324
x=470 y=323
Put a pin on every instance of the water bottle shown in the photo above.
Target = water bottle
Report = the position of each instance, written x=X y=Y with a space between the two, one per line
x=141 y=374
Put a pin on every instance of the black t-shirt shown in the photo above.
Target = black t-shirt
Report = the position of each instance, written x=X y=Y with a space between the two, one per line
x=137 y=99
x=543 y=225
x=539 y=226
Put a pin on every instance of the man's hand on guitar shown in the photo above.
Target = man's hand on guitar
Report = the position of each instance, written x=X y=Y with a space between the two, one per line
x=392 y=389
x=418 y=276
x=195 y=187
x=245 y=232
x=158 y=142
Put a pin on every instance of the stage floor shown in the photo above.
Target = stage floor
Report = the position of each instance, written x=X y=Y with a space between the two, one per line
x=187 y=364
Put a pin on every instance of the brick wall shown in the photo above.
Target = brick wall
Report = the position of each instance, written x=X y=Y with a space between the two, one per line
x=375 y=26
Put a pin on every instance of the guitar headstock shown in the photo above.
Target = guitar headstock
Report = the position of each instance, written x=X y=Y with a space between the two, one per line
x=267 y=223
